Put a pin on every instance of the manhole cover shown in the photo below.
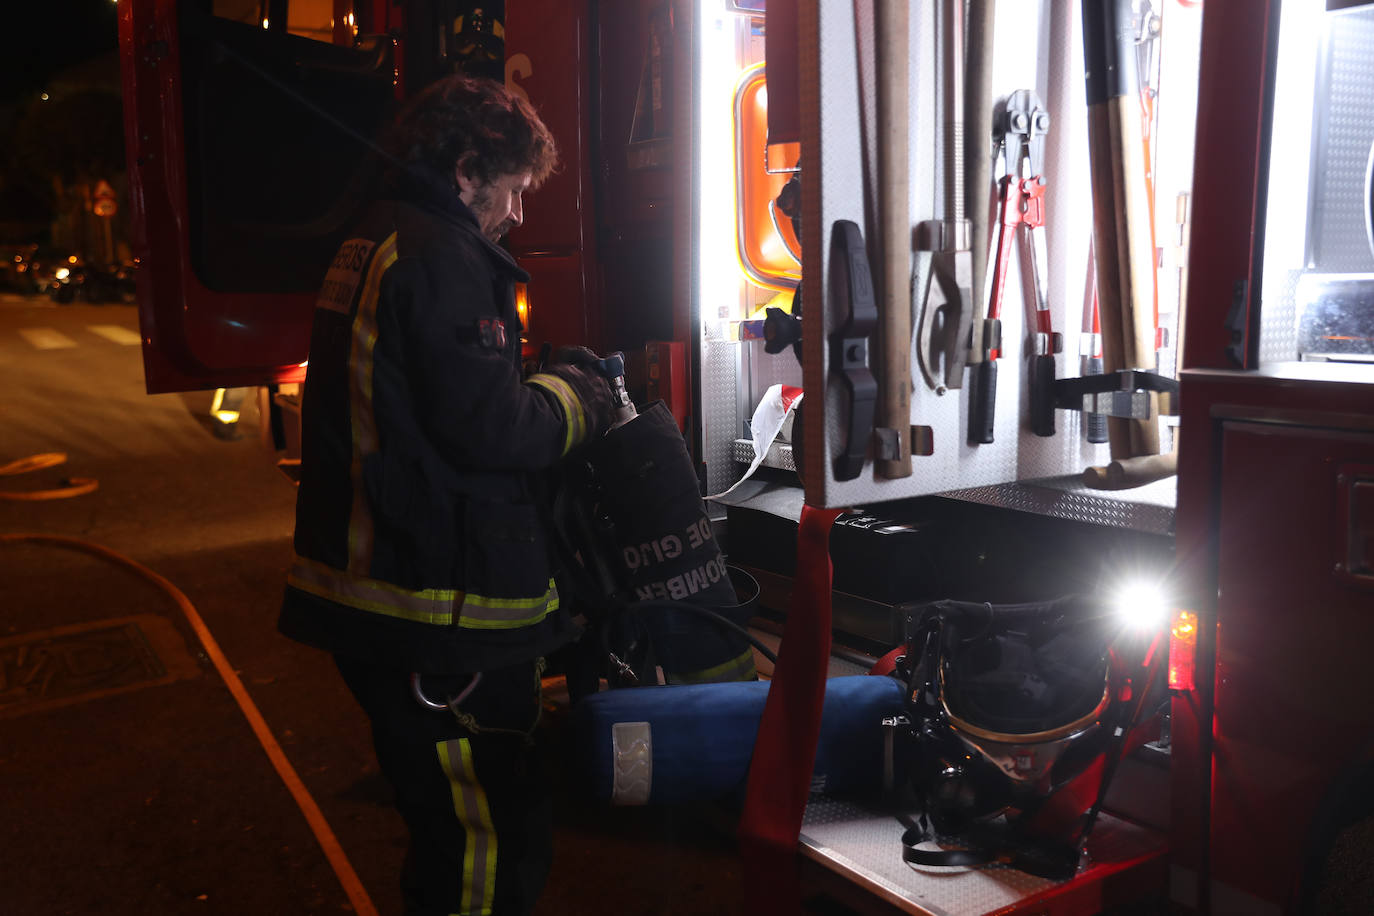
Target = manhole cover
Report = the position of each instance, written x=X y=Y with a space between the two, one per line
x=73 y=664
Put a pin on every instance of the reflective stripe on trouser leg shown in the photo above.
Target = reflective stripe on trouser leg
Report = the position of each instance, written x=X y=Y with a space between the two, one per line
x=470 y=805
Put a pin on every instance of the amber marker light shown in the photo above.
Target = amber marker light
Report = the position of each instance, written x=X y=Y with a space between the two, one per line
x=219 y=411
x=1182 y=650
x=522 y=304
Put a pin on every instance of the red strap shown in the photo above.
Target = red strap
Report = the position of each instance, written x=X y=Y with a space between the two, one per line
x=785 y=750
x=781 y=42
x=888 y=663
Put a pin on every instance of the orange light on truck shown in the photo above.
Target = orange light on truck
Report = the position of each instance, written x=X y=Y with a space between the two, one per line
x=219 y=411
x=1182 y=650
x=522 y=305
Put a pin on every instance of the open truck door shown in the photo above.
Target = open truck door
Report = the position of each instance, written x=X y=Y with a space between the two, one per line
x=248 y=149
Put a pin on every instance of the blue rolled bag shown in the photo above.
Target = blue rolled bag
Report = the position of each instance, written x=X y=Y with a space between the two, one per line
x=675 y=744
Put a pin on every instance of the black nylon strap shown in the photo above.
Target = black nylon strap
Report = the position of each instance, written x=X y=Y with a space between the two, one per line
x=918 y=831
x=965 y=858
x=1054 y=861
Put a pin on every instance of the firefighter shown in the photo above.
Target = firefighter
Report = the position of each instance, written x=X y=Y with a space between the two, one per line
x=421 y=561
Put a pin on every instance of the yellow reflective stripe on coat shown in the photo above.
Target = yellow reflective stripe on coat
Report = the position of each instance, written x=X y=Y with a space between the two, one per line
x=739 y=668
x=363 y=421
x=479 y=847
x=571 y=404
x=443 y=607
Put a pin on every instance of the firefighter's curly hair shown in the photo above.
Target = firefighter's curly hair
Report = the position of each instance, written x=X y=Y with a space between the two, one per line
x=478 y=121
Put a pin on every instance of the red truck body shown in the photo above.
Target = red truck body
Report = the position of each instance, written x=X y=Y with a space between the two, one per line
x=1272 y=747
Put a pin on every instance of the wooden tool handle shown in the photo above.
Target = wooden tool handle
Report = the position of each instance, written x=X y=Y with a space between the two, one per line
x=894 y=405
x=1136 y=257
x=1125 y=473
x=1122 y=232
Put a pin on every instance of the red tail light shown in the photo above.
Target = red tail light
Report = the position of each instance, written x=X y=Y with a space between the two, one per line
x=1182 y=650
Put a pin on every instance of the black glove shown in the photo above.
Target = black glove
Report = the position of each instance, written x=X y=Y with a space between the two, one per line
x=580 y=357
x=593 y=393
x=582 y=369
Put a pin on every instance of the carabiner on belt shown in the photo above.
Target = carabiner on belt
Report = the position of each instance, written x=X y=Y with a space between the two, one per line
x=418 y=692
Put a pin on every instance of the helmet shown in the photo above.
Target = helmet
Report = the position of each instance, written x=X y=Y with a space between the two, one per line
x=1014 y=712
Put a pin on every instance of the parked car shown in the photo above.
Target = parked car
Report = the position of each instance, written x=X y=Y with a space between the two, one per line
x=94 y=283
x=32 y=268
x=65 y=279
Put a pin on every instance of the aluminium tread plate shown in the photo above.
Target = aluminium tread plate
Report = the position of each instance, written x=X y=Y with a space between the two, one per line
x=864 y=845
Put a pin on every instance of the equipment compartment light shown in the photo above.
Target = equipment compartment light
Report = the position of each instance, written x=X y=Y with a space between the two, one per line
x=1141 y=605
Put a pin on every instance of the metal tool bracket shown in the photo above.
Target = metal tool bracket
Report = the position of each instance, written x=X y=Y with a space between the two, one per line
x=1124 y=393
x=851 y=293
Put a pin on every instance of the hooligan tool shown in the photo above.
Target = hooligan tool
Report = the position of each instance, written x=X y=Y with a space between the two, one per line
x=942 y=342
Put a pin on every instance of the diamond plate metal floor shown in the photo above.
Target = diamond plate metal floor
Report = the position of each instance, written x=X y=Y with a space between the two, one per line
x=864 y=845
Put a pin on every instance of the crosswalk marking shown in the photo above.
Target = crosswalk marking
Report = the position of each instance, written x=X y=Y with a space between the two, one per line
x=114 y=332
x=53 y=339
x=46 y=338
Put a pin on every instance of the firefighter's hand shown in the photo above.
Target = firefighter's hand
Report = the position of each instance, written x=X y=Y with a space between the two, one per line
x=609 y=367
x=581 y=357
x=593 y=394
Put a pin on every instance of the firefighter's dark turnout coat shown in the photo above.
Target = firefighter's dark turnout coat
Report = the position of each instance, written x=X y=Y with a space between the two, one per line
x=418 y=540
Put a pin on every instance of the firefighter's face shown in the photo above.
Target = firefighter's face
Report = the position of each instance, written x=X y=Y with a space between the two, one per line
x=496 y=203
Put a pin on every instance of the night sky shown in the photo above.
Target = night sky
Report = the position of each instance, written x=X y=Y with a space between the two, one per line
x=46 y=36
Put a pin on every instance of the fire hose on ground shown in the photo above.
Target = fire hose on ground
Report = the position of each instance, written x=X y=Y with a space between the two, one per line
x=77 y=486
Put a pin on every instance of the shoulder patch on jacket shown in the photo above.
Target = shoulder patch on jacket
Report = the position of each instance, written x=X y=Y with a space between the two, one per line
x=491 y=332
x=485 y=332
x=345 y=273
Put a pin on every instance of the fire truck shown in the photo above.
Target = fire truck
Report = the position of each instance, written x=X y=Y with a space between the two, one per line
x=1173 y=198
